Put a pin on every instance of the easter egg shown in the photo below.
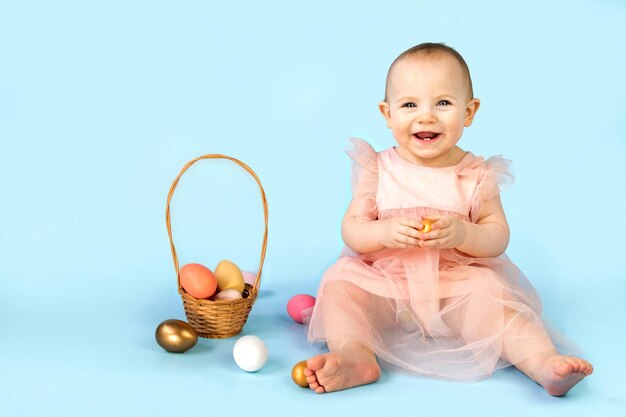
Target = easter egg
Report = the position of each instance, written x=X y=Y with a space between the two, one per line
x=229 y=276
x=176 y=336
x=250 y=353
x=427 y=225
x=198 y=280
x=229 y=294
x=298 y=304
x=249 y=277
x=297 y=374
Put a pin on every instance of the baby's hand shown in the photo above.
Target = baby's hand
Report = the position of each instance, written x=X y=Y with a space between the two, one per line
x=399 y=232
x=447 y=232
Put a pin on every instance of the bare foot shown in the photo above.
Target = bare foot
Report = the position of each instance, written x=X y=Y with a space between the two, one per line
x=341 y=369
x=558 y=373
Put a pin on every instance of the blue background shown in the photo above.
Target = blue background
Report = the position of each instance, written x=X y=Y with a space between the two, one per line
x=102 y=103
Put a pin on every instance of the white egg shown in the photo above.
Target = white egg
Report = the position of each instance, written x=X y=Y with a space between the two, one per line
x=229 y=294
x=250 y=353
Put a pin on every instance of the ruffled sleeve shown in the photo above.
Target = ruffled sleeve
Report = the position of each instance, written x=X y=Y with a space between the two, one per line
x=496 y=177
x=364 y=177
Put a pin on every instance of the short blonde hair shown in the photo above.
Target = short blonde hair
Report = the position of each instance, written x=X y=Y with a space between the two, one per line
x=434 y=50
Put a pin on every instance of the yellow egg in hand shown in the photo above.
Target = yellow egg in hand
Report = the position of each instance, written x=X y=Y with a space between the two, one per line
x=427 y=225
x=229 y=276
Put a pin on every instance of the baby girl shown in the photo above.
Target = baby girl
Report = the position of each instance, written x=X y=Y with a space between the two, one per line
x=424 y=285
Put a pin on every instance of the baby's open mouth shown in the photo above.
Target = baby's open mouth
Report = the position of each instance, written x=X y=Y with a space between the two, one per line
x=426 y=136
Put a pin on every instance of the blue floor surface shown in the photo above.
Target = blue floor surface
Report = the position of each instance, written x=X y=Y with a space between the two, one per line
x=97 y=356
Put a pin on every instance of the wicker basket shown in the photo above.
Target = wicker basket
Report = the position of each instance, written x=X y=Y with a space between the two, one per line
x=223 y=318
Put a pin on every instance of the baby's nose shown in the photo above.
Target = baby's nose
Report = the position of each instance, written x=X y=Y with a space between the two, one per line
x=426 y=116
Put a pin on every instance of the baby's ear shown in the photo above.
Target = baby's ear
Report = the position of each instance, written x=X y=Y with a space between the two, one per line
x=470 y=111
x=383 y=106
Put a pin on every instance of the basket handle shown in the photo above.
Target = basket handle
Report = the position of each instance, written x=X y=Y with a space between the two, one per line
x=257 y=282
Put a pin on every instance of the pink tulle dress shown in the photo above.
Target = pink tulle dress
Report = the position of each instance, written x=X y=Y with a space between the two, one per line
x=434 y=312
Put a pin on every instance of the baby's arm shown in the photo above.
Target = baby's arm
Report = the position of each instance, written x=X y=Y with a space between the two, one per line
x=367 y=235
x=488 y=237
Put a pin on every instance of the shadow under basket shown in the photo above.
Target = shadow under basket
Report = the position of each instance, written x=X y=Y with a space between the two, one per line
x=222 y=318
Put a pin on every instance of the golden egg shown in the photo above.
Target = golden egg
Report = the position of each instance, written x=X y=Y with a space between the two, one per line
x=229 y=276
x=427 y=225
x=176 y=336
x=297 y=374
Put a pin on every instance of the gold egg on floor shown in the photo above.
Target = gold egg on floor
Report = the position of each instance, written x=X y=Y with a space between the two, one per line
x=297 y=374
x=176 y=336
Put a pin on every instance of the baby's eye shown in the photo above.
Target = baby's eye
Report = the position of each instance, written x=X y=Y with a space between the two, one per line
x=443 y=103
x=409 y=104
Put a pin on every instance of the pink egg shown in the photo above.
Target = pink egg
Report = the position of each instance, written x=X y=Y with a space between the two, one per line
x=298 y=304
x=249 y=277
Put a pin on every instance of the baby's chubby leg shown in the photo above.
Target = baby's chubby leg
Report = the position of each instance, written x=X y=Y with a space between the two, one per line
x=350 y=362
x=556 y=373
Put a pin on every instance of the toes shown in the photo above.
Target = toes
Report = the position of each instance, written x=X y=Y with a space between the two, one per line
x=563 y=368
x=316 y=362
x=574 y=363
x=586 y=368
x=315 y=386
x=579 y=365
x=318 y=369
x=567 y=365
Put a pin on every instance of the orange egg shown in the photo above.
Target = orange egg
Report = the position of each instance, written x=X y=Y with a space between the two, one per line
x=198 y=280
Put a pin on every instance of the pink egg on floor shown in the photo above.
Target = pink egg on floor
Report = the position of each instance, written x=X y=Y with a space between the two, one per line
x=298 y=304
x=249 y=277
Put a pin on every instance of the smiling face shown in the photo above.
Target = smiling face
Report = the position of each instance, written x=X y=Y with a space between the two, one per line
x=428 y=106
